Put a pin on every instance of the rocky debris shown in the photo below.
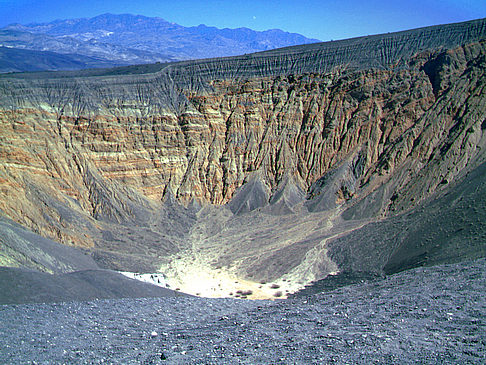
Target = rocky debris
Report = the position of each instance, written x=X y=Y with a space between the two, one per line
x=286 y=197
x=252 y=195
x=424 y=315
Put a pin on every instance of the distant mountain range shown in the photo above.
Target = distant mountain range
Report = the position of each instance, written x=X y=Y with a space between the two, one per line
x=116 y=40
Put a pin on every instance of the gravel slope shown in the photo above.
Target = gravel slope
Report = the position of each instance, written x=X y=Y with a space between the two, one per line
x=425 y=315
x=19 y=286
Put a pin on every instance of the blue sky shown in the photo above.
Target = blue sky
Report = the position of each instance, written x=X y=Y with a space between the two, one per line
x=321 y=19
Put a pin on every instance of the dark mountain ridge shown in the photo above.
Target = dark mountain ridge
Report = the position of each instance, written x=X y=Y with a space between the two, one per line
x=134 y=39
x=383 y=51
x=19 y=60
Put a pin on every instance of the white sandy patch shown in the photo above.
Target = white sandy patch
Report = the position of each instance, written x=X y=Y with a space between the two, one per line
x=153 y=278
x=199 y=270
x=193 y=278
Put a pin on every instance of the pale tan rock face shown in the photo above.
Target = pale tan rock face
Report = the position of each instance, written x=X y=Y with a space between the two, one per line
x=407 y=131
x=305 y=125
x=301 y=125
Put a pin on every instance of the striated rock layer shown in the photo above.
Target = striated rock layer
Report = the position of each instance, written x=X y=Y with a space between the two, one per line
x=304 y=144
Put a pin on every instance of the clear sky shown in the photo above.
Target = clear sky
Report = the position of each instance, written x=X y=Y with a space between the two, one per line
x=321 y=19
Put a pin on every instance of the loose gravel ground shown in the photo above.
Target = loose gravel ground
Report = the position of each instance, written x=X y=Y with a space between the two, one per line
x=426 y=315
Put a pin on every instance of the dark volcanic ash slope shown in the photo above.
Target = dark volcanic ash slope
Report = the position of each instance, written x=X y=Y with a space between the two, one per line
x=20 y=286
x=427 y=315
x=35 y=269
x=20 y=247
x=269 y=167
